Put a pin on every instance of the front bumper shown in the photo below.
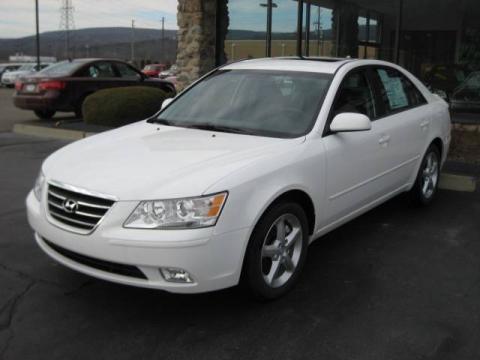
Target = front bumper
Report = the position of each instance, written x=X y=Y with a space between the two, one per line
x=213 y=260
x=7 y=81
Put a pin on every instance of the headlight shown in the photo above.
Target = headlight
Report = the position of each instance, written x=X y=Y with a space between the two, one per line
x=188 y=213
x=38 y=188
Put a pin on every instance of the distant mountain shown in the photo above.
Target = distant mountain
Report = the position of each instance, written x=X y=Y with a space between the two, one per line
x=235 y=34
x=88 y=41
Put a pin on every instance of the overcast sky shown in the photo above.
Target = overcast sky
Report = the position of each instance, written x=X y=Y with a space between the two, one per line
x=17 y=17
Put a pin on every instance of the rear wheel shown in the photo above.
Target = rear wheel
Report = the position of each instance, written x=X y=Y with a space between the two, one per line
x=426 y=184
x=45 y=114
x=79 y=106
x=276 y=252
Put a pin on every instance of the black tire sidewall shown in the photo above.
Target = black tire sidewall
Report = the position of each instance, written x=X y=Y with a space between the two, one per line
x=252 y=272
x=45 y=114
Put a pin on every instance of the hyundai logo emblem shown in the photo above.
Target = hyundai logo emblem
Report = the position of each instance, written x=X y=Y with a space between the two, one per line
x=70 y=206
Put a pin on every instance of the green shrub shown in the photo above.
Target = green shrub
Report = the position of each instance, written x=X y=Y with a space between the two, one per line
x=121 y=106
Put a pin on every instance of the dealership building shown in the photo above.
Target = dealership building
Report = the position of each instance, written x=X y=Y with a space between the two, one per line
x=437 y=40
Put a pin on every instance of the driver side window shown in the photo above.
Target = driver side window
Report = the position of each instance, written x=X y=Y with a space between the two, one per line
x=355 y=95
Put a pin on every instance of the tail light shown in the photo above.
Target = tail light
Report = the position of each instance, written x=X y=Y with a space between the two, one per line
x=18 y=85
x=52 y=85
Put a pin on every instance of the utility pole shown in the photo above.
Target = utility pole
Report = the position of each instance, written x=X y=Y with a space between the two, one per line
x=162 y=55
x=132 y=44
x=37 y=23
x=318 y=26
x=299 y=27
x=268 y=36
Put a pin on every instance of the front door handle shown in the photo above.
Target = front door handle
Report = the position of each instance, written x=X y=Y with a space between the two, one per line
x=384 y=140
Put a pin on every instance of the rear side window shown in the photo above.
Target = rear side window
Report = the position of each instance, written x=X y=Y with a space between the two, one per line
x=100 y=70
x=397 y=92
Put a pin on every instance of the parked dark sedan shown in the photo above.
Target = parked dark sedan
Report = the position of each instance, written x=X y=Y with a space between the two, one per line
x=64 y=86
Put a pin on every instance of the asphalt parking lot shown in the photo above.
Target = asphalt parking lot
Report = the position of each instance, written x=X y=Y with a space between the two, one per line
x=10 y=115
x=397 y=283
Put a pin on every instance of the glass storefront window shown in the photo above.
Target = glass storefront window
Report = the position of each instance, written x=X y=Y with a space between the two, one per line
x=438 y=41
x=284 y=28
x=319 y=27
x=246 y=34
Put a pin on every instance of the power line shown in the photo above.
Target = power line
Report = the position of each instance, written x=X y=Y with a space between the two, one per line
x=67 y=23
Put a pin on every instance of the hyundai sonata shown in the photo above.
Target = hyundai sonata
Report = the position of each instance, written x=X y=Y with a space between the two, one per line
x=235 y=177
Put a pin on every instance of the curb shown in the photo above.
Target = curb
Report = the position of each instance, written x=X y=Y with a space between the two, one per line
x=48 y=132
x=454 y=182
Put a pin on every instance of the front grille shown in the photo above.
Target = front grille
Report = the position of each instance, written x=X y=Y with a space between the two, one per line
x=107 y=266
x=84 y=215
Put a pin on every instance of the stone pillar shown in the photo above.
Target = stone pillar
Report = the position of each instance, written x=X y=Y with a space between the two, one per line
x=196 y=39
x=345 y=30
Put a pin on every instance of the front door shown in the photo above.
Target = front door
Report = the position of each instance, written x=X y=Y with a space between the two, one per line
x=355 y=160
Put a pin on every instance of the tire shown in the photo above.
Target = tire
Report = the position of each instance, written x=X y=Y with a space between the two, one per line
x=45 y=114
x=426 y=183
x=271 y=267
x=78 y=108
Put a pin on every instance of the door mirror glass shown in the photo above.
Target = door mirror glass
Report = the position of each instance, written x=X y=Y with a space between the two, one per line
x=166 y=102
x=346 y=122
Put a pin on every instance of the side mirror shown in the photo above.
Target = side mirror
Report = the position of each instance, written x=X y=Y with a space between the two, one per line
x=166 y=102
x=346 y=122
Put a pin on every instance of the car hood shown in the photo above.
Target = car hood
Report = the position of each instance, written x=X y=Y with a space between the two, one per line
x=146 y=161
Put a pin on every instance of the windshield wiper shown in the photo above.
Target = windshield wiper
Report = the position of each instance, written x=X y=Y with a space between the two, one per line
x=220 y=128
x=156 y=120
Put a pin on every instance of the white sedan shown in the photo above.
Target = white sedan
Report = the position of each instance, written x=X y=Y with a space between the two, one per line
x=235 y=177
x=10 y=77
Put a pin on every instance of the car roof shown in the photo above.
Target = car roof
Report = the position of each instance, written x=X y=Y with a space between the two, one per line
x=310 y=64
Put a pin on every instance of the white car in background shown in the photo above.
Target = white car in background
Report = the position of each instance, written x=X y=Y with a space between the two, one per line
x=235 y=177
x=169 y=73
x=10 y=77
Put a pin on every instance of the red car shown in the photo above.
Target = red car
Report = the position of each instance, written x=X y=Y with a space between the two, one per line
x=153 y=70
x=65 y=85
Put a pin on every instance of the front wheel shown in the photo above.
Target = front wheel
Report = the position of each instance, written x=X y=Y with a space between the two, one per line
x=426 y=184
x=277 y=251
x=45 y=114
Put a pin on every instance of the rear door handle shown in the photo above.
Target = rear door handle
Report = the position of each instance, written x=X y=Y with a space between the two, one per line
x=384 y=140
x=425 y=124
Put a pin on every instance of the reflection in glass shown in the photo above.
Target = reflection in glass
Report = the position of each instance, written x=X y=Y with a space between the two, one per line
x=284 y=28
x=320 y=31
x=247 y=30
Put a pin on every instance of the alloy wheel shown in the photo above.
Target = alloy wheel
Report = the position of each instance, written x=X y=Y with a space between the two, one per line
x=281 y=250
x=430 y=175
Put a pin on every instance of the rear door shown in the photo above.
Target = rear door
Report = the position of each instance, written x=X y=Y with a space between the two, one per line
x=96 y=76
x=403 y=120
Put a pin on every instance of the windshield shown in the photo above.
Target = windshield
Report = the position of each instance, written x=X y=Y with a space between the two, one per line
x=26 y=67
x=258 y=102
x=63 y=68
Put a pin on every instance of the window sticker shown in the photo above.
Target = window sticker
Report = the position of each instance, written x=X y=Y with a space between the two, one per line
x=397 y=97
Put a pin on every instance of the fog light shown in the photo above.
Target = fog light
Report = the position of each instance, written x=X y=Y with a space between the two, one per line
x=176 y=275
